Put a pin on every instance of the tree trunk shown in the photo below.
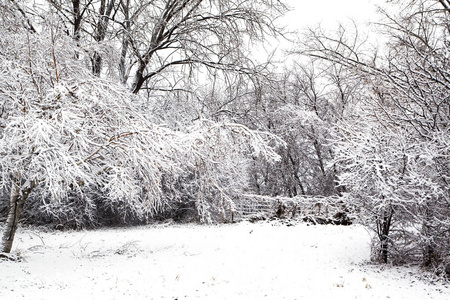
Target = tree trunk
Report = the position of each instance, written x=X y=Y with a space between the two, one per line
x=384 y=249
x=100 y=34
x=17 y=200
x=123 y=72
x=139 y=78
x=430 y=256
x=96 y=64
x=384 y=227
x=76 y=19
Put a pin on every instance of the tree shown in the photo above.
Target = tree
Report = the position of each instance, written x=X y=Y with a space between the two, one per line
x=407 y=104
x=158 y=37
x=219 y=170
x=92 y=18
x=65 y=131
x=211 y=34
x=68 y=136
x=302 y=105
x=375 y=164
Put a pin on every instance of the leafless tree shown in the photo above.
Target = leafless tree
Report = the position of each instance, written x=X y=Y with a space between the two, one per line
x=68 y=136
x=157 y=36
x=407 y=98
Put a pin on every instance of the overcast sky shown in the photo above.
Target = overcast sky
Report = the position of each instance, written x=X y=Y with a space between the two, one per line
x=327 y=13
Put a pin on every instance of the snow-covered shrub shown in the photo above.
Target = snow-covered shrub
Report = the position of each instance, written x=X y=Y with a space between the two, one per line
x=395 y=183
x=216 y=168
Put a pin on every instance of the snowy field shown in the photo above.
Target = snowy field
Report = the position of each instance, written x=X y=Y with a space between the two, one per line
x=235 y=261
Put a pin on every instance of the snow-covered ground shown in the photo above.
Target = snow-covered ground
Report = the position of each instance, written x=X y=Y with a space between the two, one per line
x=235 y=261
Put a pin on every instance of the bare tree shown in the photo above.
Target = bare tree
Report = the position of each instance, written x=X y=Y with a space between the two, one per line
x=302 y=106
x=90 y=18
x=407 y=97
x=160 y=35
x=71 y=141
x=196 y=32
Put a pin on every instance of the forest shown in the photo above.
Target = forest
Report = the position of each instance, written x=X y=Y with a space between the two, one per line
x=127 y=112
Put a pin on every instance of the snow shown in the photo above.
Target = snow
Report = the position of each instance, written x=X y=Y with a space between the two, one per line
x=231 y=261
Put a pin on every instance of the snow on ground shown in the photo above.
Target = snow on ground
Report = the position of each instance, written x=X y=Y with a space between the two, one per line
x=235 y=261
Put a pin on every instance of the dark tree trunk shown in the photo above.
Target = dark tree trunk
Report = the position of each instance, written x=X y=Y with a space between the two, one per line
x=76 y=19
x=384 y=228
x=105 y=12
x=139 y=79
x=96 y=64
x=430 y=255
x=384 y=251
x=123 y=72
x=17 y=201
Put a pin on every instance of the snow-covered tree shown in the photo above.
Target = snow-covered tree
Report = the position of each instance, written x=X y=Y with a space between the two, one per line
x=65 y=132
x=221 y=156
x=153 y=40
x=374 y=164
x=395 y=146
x=71 y=141
x=302 y=106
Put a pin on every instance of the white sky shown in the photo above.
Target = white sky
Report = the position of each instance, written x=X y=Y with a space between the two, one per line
x=327 y=13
